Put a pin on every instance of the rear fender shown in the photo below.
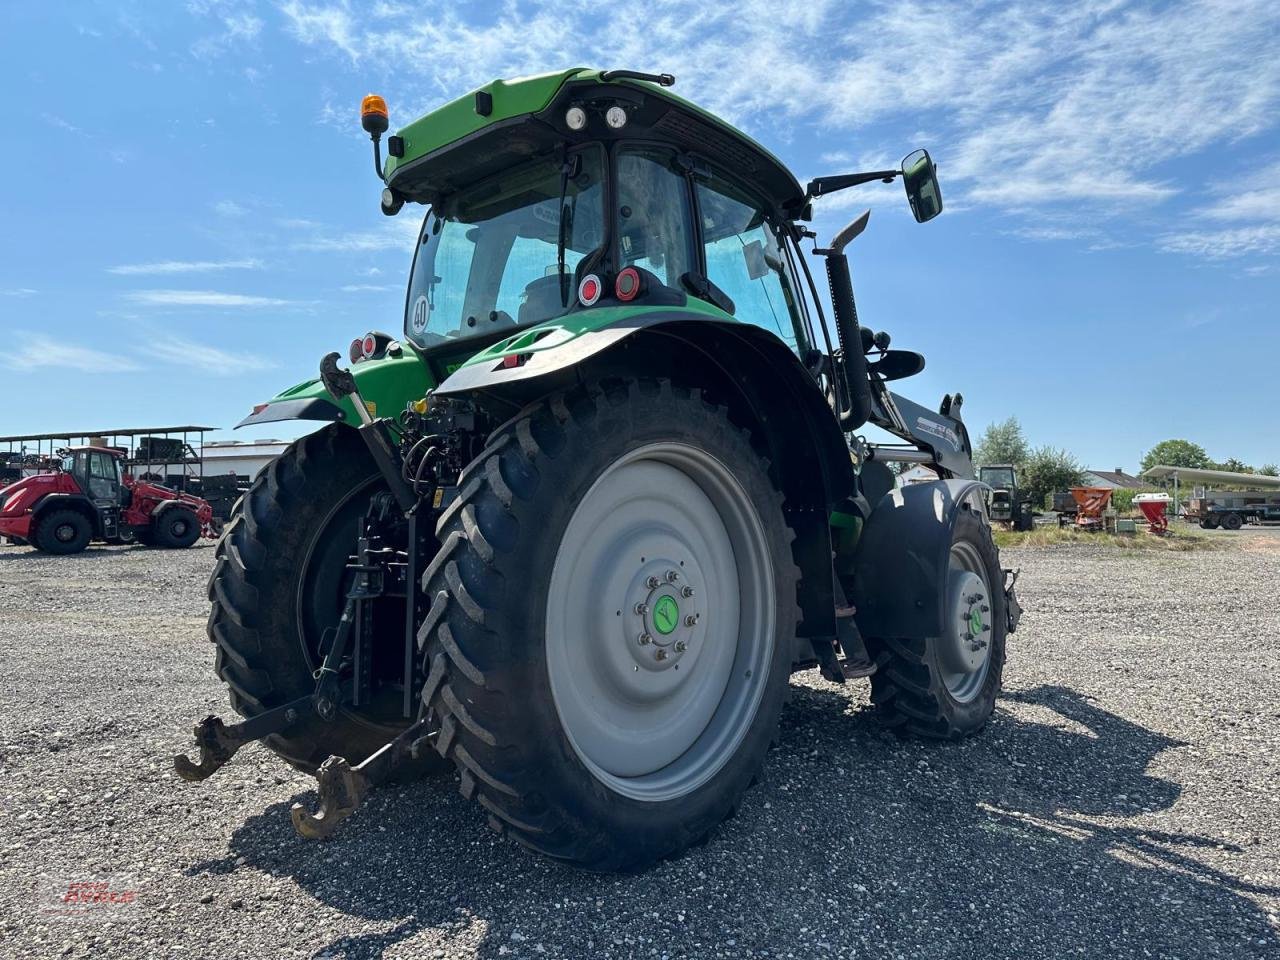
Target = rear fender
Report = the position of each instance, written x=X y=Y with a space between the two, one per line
x=903 y=555
x=764 y=383
x=387 y=384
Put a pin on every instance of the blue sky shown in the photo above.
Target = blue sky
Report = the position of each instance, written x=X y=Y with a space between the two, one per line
x=191 y=220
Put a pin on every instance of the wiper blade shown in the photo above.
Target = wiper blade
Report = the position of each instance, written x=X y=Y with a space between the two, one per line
x=568 y=169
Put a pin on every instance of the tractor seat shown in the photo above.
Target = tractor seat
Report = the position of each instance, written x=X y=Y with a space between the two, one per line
x=541 y=299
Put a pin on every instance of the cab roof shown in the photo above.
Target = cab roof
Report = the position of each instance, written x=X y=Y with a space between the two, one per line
x=505 y=121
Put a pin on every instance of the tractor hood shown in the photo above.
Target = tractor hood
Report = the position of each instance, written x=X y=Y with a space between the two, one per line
x=21 y=495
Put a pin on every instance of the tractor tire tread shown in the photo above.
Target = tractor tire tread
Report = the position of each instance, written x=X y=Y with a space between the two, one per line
x=467 y=649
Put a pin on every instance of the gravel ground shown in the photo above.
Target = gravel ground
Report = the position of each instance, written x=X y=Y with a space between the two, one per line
x=1124 y=802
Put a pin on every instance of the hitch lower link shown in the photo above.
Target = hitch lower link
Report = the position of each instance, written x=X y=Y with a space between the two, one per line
x=341 y=786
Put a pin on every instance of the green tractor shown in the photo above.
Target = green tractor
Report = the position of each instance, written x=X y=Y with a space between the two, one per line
x=572 y=532
x=1006 y=504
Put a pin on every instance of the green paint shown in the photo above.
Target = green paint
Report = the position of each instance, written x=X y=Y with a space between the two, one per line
x=458 y=119
x=388 y=384
x=522 y=97
x=975 y=621
x=666 y=614
x=566 y=329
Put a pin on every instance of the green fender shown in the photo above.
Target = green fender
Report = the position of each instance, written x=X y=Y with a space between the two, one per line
x=386 y=384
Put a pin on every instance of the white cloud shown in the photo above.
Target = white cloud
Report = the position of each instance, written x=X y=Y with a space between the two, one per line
x=1033 y=104
x=173 y=350
x=35 y=351
x=203 y=298
x=397 y=233
x=19 y=292
x=229 y=208
x=368 y=287
x=183 y=266
x=236 y=29
x=1223 y=244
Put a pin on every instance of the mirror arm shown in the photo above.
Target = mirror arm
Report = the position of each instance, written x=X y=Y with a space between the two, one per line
x=820 y=186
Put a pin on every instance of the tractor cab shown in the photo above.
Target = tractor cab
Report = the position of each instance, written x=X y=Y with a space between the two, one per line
x=98 y=473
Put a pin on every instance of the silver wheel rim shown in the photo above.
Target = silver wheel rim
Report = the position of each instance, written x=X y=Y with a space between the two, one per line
x=964 y=650
x=65 y=532
x=660 y=622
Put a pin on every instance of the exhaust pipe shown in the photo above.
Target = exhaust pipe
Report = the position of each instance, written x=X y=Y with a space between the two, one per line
x=855 y=410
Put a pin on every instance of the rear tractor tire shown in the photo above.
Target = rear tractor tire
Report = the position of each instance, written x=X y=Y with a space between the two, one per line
x=279 y=583
x=945 y=688
x=613 y=610
x=63 y=532
x=1232 y=521
x=175 y=529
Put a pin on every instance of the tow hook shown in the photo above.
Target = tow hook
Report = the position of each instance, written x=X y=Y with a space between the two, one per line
x=1013 y=609
x=218 y=742
x=342 y=787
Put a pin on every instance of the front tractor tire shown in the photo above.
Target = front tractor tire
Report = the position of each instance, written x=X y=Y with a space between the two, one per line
x=613 y=610
x=63 y=532
x=175 y=529
x=279 y=583
x=945 y=687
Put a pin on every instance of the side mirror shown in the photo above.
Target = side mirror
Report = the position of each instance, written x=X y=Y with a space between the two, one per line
x=920 y=178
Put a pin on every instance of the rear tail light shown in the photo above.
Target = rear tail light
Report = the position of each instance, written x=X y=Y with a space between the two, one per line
x=357 y=350
x=589 y=289
x=369 y=346
x=627 y=285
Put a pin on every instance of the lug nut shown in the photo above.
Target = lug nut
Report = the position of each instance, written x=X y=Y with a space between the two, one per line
x=692 y=619
x=660 y=654
x=681 y=646
x=641 y=609
x=686 y=592
x=652 y=583
x=984 y=608
x=672 y=576
x=646 y=639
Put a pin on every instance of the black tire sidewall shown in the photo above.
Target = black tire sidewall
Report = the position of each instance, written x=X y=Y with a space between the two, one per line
x=601 y=816
x=319 y=475
x=47 y=539
x=164 y=523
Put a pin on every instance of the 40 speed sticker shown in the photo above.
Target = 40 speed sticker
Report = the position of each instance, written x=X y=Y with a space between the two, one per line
x=418 y=319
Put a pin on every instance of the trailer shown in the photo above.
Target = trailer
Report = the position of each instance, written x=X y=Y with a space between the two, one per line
x=1233 y=518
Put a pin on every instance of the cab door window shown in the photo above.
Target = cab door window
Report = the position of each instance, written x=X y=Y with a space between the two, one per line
x=104 y=480
x=745 y=259
x=653 y=215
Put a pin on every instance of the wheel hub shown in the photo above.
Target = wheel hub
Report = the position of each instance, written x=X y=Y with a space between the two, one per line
x=666 y=616
x=967 y=630
x=659 y=621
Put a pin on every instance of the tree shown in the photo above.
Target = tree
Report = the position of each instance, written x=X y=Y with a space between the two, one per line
x=1176 y=453
x=1002 y=442
x=1047 y=469
x=1269 y=470
x=1233 y=465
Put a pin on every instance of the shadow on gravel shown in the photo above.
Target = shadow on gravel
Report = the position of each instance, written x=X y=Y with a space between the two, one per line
x=856 y=842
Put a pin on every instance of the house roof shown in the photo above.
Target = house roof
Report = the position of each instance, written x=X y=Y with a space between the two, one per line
x=1118 y=477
